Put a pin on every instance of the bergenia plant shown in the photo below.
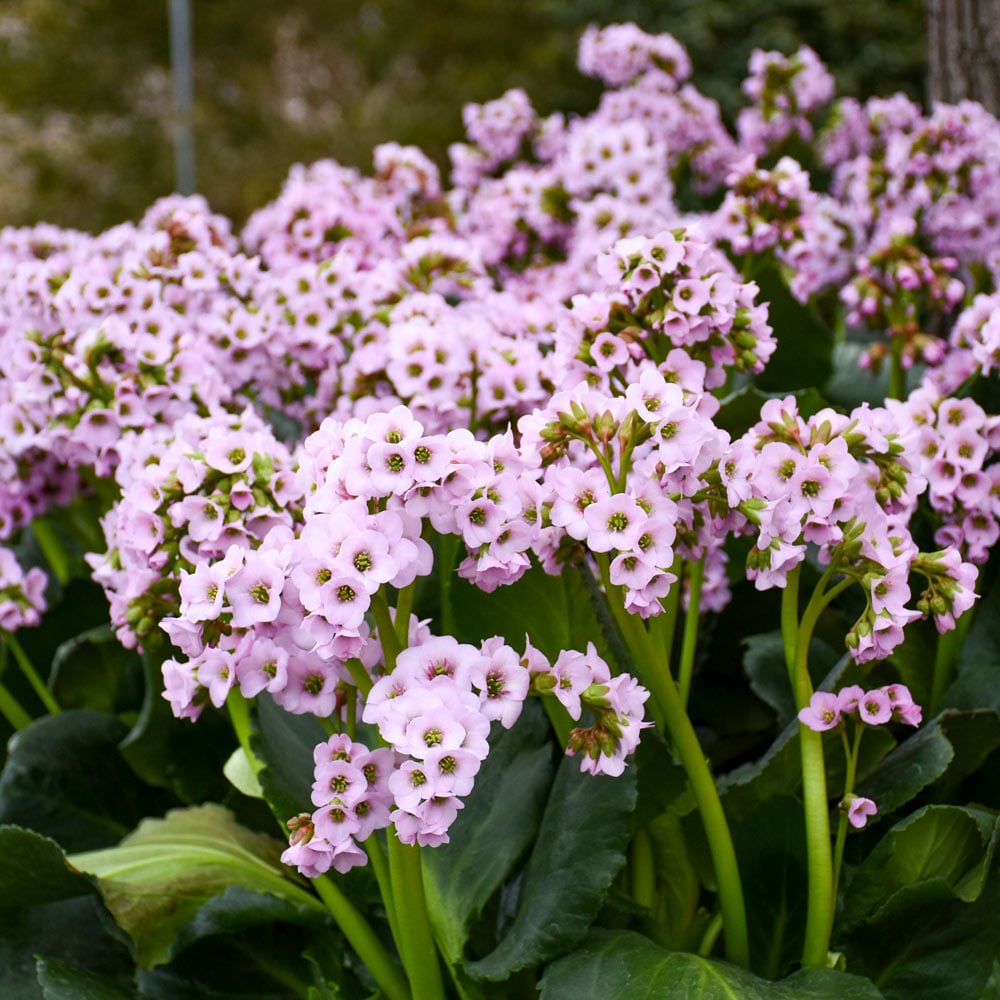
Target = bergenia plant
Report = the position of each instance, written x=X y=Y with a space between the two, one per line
x=515 y=584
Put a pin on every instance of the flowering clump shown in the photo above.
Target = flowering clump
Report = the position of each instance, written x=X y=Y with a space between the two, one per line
x=785 y=91
x=433 y=712
x=670 y=291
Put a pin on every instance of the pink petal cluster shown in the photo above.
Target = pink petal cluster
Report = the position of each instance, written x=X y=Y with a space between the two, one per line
x=874 y=708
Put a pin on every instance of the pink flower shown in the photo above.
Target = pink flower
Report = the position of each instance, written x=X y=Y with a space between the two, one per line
x=822 y=712
x=875 y=708
x=858 y=810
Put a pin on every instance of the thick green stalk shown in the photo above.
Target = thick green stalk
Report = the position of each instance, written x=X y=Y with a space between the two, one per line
x=404 y=607
x=12 y=711
x=31 y=675
x=820 y=907
x=387 y=637
x=654 y=674
x=381 y=868
x=419 y=953
x=355 y=928
x=897 y=373
x=689 y=641
x=363 y=940
x=447 y=551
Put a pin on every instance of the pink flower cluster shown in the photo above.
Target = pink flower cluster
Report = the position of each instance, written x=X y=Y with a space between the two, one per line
x=873 y=708
x=674 y=290
x=214 y=484
x=785 y=91
x=842 y=482
x=22 y=595
x=433 y=712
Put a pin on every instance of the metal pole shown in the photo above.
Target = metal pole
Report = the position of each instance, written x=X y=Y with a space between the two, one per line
x=180 y=69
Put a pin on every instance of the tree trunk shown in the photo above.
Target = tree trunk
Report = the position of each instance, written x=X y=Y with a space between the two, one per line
x=963 y=39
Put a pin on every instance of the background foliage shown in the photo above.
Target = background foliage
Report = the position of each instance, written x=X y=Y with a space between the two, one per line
x=85 y=96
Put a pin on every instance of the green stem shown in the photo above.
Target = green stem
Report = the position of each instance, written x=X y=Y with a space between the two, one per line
x=790 y=619
x=373 y=845
x=239 y=715
x=418 y=950
x=643 y=870
x=386 y=630
x=404 y=607
x=689 y=641
x=664 y=627
x=710 y=936
x=851 y=756
x=820 y=908
x=651 y=669
x=52 y=549
x=363 y=940
x=360 y=676
x=447 y=550
x=355 y=928
x=12 y=711
x=31 y=675
x=897 y=373
x=949 y=648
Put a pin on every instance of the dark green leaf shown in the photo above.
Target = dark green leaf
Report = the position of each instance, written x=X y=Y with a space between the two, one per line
x=66 y=778
x=194 y=873
x=625 y=966
x=93 y=670
x=925 y=942
x=770 y=844
x=764 y=663
x=34 y=869
x=285 y=743
x=678 y=889
x=61 y=980
x=497 y=825
x=910 y=768
x=945 y=845
x=176 y=753
x=852 y=384
x=69 y=930
x=976 y=686
x=805 y=345
x=580 y=848
x=261 y=963
x=555 y=611
x=973 y=736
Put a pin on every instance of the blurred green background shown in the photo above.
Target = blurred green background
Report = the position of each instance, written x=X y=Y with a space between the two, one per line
x=86 y=100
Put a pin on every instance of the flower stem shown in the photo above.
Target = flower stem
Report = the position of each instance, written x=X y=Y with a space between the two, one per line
x=949 y=648
x=12 y=711
x=31 y=675
x=373 y=845
x=404 y=607
x=897 y=373
x=363 y=940
x=418 y=950
x=386 y=630
x=851 y=756
x=689 y=642
x=820 y=907
x=653 y=673
x=447 y=551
